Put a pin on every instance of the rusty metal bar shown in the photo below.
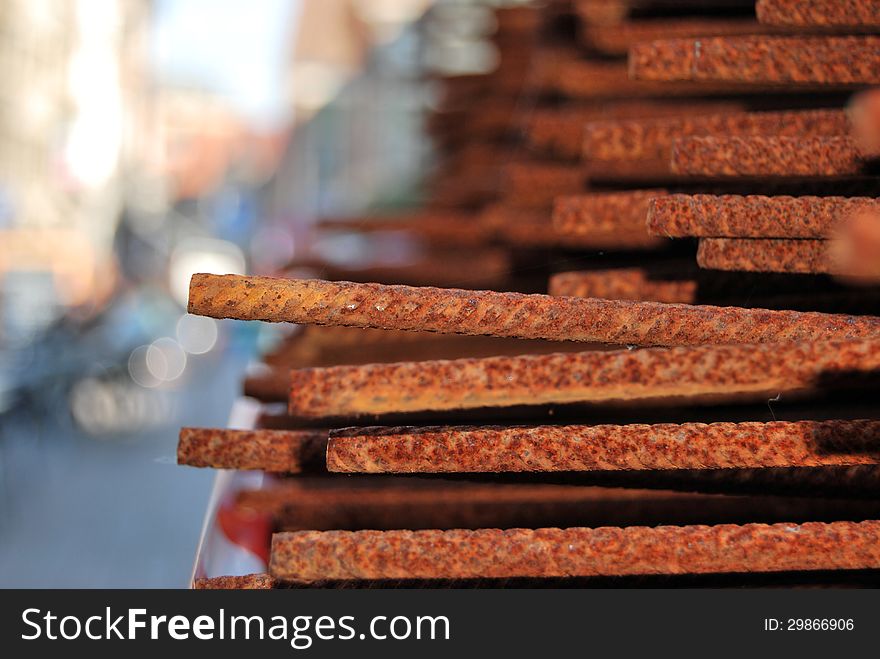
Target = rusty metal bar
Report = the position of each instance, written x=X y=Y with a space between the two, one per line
x=652 y=138
x=537 y=184
x=637 y=447
x=593 y=79
x=492 y=553
x=703 y=373
x=819 y=13
x=623 y=284
x=789 y=61
x=559 y=131
x=472 y=268
x=771 y=255
x=617 y=39
x=350 y=503
x=605 y=212
x=533 y=227
x=766 y=156
x=753 y=216
x=449 y=228
x=456 y=311
x=293 y=451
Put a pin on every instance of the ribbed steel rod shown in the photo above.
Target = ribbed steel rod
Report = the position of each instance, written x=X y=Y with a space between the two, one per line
x=604 y=447
x=454 y=311
x=700 y=374
x=491 y=553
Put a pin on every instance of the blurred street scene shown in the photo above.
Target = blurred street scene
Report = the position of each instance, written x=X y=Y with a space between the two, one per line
x=142 y=141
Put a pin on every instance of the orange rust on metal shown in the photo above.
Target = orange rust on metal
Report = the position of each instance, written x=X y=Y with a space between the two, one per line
x=533 y=227
x=605 y=551
x=817 y=60
x=617 y=39
x=350 y=503
x=454 y=311
x=652 y=138
x=593 y=79
x=483 y=268
x=623 y=284
x=636 y=447
x=271 y=385
x=602 y=12
x=268 y=450
x=588 y=214
x=702 y=373
x=437 y=228
x=464 y=505
x=244 y=582
x=304 y=351
x=536 y=184
x=753 y=216
x=766 y=156
x=819 y=13
x=770 y=255
x=559 y=131
x=543 y=235
x=859 y=481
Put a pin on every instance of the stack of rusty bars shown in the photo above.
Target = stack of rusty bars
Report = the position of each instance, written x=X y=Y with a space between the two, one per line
x=645 y=419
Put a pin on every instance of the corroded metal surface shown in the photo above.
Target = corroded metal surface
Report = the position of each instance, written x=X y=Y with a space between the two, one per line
x=272 y=385
x=652 y=138
x=536 y=184
x=244 y=582
x=533 y=227
x=623 y=284
x=820 y=13
x=825 y=60
x=559 y=131
x=594 y=79
x=269 y=450
x=604 y=447
x=766 y=156
x=753 y=216
x=315 y=555
x=706 y=373
x=452 y=228
x=617 y=39
x=606 y=212
x=468 y=268
x=456 y=311
x=771 y=255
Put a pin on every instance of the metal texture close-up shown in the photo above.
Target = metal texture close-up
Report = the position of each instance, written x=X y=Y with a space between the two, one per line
x=623 y=284
x=814 y=60
x=767 y=255
x=707 y=373
x=584 y=215
x=642 y=139
x=606 y=551
x=753 y=216
x=269 y=450
x=819 y=13
x=509 y=314
x=604 y=447
x=767 y=156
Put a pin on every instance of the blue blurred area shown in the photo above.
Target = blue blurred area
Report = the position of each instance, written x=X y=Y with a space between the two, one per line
x=222 y=135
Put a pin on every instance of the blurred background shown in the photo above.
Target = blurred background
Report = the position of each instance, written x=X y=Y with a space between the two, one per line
x=142 y=141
